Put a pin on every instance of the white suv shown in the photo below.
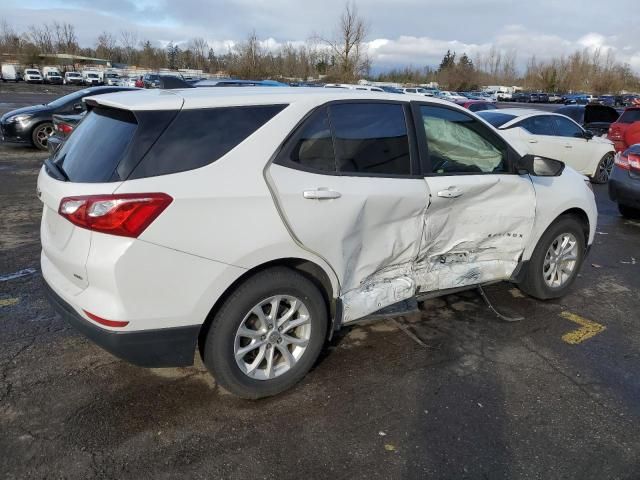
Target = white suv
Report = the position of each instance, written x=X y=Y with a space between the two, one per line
x=251 y=223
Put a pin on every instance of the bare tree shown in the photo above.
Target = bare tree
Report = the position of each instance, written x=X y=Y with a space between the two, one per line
x=348 y=45
x=64 y=38
x=129 y=43
x=9 y=39
x=105 y=45
x=41 y=37
x=199 y=49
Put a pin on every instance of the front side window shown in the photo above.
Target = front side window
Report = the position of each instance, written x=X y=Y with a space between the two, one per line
x=566 y=128
x=458 y=143
x=371 y=138
x=538 y=125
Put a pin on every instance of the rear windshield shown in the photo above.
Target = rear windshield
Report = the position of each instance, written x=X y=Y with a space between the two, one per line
x=97 y=145
x=111 y=145
x=630 y=116
x=496 y=119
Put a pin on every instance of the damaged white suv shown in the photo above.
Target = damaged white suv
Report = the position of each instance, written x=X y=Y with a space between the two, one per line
x=251 y=223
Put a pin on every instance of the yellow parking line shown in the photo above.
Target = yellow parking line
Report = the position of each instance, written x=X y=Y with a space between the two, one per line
x=7 y=302
x=588 y=328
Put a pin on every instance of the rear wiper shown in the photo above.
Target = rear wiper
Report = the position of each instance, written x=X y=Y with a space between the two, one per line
x=57 y=172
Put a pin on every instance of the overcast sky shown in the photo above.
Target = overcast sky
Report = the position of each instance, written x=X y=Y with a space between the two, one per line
x=402 y=32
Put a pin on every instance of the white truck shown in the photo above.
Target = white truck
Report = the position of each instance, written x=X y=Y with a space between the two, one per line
x=9 y=72
x=92 y=77
x=52 y=75
x=73 y=78
x=32 y=75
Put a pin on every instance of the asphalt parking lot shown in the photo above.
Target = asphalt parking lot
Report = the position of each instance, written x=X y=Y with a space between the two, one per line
x=449 y=391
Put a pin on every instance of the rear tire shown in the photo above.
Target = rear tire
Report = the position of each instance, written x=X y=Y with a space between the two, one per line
x=628 y=212
x=254 y=354
x=553 y=268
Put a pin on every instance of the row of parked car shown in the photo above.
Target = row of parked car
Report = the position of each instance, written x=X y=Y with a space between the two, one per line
x=53 y=76
x=586 y=137
x=576 y=99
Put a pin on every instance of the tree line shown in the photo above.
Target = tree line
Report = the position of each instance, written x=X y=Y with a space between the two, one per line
x=341 y=57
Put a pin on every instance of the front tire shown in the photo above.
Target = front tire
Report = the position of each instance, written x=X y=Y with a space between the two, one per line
x=603 y=171
x=40 y=135
x=556 y=260
x=267 y=334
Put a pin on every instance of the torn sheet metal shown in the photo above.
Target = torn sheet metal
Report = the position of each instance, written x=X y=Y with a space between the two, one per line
x=471 y=240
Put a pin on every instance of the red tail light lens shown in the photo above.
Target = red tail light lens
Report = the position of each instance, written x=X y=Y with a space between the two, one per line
x=64 y=128
x=629 y=161
x=107 y=323
x=126 y=215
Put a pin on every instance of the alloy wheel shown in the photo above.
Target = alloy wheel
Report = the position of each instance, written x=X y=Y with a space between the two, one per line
x=42 y=135
x=272 y=337
x=560 y=260
x=604 y=168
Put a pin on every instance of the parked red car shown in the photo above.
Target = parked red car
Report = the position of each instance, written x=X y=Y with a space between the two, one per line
x=626 y=130
x=476 y=105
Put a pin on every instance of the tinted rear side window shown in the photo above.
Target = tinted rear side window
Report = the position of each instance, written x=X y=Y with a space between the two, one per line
x=312 y=146
x=371 y=138
x=199 y=137
x=97 y=145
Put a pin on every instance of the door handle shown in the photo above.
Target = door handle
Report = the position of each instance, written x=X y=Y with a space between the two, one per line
x=321 y=194
x=533 y=140
x=451 y=192
x=568 y=146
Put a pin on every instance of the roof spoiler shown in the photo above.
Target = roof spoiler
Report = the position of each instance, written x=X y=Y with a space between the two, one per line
x=168 y=82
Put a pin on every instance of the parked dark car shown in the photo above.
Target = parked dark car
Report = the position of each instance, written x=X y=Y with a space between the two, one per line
x=520 y=97
x=608 y=100
x=33 y=125
x=63 y=126
x=624 y=182
x=543 y=98
x=595 y=118
x=151 y=80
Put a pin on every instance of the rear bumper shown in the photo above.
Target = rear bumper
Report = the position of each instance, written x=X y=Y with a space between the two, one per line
x=623 y=188
x=166 y=347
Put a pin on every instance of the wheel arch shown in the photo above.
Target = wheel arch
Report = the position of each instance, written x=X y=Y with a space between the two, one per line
x=312 y=271
x=36 y=124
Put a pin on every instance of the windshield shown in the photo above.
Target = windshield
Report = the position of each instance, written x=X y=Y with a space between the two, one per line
x=73 y=74
x=92 y=75
x=496 y=119
x=32 y=72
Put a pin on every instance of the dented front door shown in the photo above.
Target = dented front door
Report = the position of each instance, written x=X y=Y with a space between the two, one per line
x=480 y=214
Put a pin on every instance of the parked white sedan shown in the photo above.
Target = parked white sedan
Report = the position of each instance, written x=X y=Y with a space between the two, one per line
x=556 y=136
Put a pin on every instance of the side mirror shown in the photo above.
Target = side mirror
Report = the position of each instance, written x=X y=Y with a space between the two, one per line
x=588 y=135
x=540 y=166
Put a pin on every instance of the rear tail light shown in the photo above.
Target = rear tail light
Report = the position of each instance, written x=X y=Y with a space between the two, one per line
x=628 y=161
x=615 y=133
x=126 y=215
x=64 y=128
